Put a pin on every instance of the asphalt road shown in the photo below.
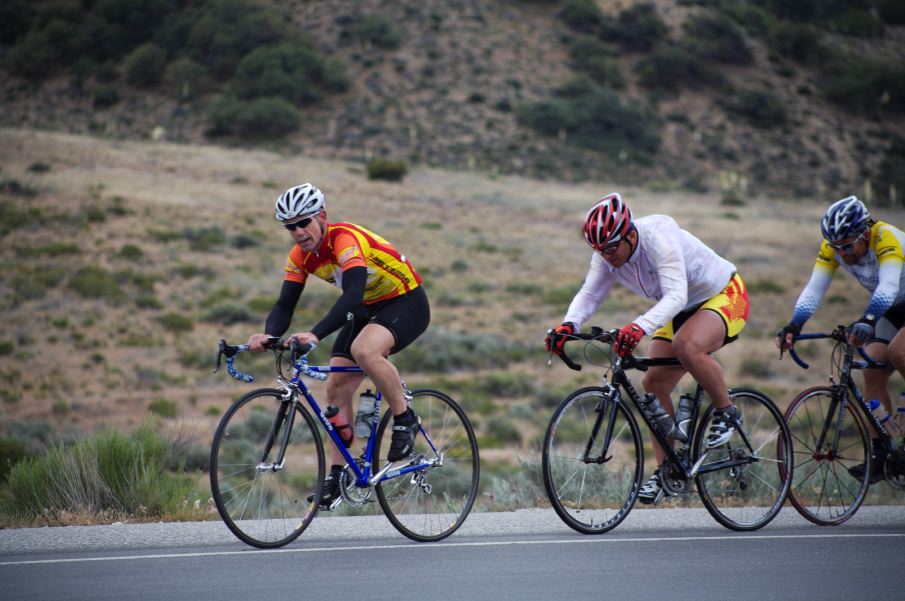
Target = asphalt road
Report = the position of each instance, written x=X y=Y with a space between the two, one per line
x=662 y=553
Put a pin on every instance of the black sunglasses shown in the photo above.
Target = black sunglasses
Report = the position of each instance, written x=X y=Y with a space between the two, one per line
x=303 y=223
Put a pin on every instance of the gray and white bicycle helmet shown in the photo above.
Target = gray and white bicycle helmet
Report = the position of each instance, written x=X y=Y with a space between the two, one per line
x=844 y=219
x=299 y=202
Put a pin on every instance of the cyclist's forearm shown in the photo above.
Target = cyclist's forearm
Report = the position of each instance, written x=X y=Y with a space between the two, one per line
x=349 y=303
x=281 y=315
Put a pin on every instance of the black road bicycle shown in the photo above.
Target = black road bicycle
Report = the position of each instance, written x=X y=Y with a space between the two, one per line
x=830 y=437
x=593 y=453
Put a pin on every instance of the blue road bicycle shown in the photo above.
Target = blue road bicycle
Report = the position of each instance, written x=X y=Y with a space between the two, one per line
x=267 y=464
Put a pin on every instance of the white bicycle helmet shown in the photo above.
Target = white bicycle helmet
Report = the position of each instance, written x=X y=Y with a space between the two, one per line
x=299 y=202
x=845 y=218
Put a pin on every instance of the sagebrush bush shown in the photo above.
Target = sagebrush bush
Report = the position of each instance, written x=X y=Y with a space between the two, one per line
x=145 y=65
x=176 y=322
x=186 y=79
x=760 y=108
x=386 y=169
x=109 y=472
x=163 y=408
x=715 y=36
x=372 y=30
x=581 y=15
x=96 y=282
x=801 y=43
x=865 y=85
x=439 y=350
x=639 y=28
x=671 y=67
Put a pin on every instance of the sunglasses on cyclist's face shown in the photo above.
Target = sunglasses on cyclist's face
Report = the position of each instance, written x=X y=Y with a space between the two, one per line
x=846 y=247
x=610 y=248
x=303 y=224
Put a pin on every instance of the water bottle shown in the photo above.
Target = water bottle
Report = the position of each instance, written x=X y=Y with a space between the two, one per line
x=883 y=416
x=683 y=418
x=899 y=417
x=367 y=414
x=340 y=424
x=660 y=418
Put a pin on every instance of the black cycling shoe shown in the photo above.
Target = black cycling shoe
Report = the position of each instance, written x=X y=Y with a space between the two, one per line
x=877 y=462
x=405 y=429
x=330 y=493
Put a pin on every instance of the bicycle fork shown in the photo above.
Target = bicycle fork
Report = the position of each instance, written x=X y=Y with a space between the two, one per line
x=605 y=409
x=282 y=428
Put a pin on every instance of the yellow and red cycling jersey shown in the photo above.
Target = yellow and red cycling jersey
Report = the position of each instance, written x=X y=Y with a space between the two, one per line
x=346 y=245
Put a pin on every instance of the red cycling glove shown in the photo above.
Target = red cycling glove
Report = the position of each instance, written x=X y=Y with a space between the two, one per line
x=556 y=338
x=628 y=338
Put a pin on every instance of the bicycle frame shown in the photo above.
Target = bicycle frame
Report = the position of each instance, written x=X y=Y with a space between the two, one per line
x=845 y=385
x=621 y=381
x=363 y=476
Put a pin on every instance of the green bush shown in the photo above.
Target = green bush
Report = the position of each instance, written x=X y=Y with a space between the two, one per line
x=863 y=85
x=503 y=429
x=204 y=238
x=15 y=17
x=185 y=79
x=175 y=322
x=163 y=408
x=96 y=282
x=288 y=71
x=372 y=30
x=144 y=66
x=753 y=19
x=595 y=118
x=386 y=169
x=594 y=58
x=715 y=36
x=11 y=452
x=890 y=186
x=581 y=15
x=131 y=252
x=670 y=67
x=859 y=23
x=227 y=30
x=258 y=118
x=639 y=28
x=801 y=43
x=34 y=57
x=228 y=314
x=760 y=108
x=111 y=471
x=105 y=96
x=440 y=350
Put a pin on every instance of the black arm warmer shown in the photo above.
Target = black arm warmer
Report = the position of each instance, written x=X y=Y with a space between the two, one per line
x=354 y=281
x=281 y=315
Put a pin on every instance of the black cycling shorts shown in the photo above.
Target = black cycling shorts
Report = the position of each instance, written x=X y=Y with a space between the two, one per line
x=890 y=324
x=406 y=316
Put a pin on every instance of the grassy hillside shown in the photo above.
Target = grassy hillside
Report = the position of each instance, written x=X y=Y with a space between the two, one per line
x=800 y=99
x=122 y=264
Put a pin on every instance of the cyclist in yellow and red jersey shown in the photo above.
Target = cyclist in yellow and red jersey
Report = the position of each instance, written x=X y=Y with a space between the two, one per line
x=872 y=252
x=382 y=309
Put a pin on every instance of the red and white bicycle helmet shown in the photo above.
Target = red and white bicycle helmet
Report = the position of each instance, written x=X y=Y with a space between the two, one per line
x=299 y=202
x=609 y=221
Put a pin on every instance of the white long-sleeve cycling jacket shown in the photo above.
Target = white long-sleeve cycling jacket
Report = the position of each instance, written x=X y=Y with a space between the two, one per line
x=668 y=265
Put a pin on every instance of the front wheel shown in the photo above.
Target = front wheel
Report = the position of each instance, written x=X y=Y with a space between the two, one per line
x=430 y=503
x=592 y=488
x=744 y=483
x=263 y=498
x=828 y=442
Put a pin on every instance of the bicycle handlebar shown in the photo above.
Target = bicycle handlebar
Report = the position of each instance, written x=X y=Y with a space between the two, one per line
x=297 y=355
x=628 y=361
x=840 y=334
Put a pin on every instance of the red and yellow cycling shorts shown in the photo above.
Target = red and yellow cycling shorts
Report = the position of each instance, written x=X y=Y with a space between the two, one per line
x=731 y=305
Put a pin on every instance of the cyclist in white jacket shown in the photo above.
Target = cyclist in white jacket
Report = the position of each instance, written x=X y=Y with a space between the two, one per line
x=702 y=304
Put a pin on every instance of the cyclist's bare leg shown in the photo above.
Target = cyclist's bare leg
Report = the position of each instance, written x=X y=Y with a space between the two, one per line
x=876 y=380
x=702 y=334
x=371 y=348
x=660 y=381
x=341 y=389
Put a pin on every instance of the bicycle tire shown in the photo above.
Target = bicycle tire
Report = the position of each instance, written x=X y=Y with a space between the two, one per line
x=430 y=504
x=823 y=490
x=265 y=507
x=749 y=497
x=592 y=498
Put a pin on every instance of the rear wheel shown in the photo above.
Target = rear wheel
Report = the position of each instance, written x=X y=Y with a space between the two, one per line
x=826 y=450
x=430 y=503
x=589 y=496
x=264 y=501
x=750 y=490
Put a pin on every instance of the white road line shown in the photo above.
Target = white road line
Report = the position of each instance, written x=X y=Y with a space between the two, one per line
x=424 y=547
